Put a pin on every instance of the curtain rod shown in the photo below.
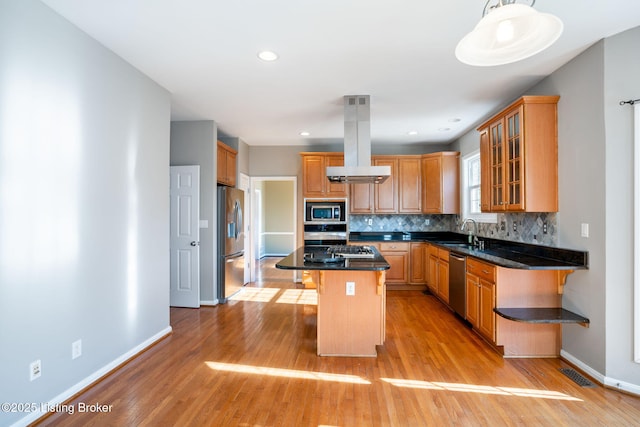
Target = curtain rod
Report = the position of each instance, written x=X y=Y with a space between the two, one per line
x=630 y=102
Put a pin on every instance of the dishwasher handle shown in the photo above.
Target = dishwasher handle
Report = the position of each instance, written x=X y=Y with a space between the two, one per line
x=457 y=257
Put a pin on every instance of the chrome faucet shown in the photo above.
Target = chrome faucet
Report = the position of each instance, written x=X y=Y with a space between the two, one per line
x=473 y=238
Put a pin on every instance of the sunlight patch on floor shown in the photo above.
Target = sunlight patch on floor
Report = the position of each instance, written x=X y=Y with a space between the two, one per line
x=474 y=388
x=299 y=296
x=255 y=294
x=287 y=373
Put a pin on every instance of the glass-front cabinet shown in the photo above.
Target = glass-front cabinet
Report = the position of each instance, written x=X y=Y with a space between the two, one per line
x=522 y=147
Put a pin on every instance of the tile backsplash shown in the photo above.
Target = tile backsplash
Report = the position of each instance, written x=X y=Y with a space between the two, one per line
x=529 y=227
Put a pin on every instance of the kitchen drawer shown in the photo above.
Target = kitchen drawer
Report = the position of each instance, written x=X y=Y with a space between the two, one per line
x=481 y=269
x=443 y=254
x=394 y=246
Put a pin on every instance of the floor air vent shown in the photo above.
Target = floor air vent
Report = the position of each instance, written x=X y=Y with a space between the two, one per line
x=576 y=377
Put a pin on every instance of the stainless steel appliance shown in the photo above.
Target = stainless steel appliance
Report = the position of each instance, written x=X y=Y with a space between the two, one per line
x=325 y=234
x=457 y=284
x=230 y=242
x=325 y=222
x=325 y=211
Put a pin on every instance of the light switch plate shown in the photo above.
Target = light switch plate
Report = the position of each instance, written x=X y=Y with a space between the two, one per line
x=584 y=229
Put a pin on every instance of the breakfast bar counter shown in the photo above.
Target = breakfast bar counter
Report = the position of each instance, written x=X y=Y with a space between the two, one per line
x=351 y=298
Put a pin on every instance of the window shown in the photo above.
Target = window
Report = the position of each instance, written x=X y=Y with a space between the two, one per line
x=471 y=190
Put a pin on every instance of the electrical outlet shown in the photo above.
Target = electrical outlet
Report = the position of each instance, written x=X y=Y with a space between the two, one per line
x=515 y=226
x=544 y=228
x=427 y=221
x=76 y=349
x=369 y=221
x=351 y=288
x=35 y=370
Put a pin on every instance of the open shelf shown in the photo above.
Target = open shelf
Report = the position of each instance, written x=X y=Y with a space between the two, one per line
x=541 y=315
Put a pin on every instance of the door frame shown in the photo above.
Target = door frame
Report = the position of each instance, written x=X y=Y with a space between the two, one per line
x=255 y=216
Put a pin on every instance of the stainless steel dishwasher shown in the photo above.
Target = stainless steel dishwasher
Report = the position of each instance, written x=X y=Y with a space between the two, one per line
x=457 y=284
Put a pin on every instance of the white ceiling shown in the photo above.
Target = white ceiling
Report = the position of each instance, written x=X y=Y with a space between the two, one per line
x=401 y=53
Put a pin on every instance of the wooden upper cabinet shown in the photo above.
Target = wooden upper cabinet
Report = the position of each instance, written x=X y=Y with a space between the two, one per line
x=226 y=173
x=409 y=184
x=521 y=156
x=314 y=175
x=361 y=198
x=385 y=195
x=485 y=172
x=441 y=183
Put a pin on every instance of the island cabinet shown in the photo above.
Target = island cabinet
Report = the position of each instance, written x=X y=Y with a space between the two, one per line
x=314 y=175
x=441 y=183
x=521 y=143
x=226 y=165
x=438 y=272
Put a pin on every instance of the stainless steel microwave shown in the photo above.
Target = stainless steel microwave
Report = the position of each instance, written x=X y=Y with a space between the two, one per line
x=325 y=211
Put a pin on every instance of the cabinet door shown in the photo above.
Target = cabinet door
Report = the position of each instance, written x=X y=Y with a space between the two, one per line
x=487 y=324
x=485 y=171
x=231 y=168
x=496 y=158
x=432 y=276
x=432 y=184
x=443 y=280
x=361 y=198
x=473 y=299
x=398 y=271
x=333 y=189
x=314 y=175
x=514 y=168
x=409 y=184
x=419 y=258
x=385 y=195
x=221 y=172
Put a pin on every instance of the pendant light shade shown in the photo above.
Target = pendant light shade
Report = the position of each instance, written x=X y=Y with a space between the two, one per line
x=508 y=33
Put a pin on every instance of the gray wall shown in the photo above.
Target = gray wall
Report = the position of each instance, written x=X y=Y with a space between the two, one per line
x=195 y=143
x=84 y=206
x=622 y=68
x=595 y=140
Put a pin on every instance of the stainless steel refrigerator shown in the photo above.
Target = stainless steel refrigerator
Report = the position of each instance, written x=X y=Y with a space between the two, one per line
x=230 y=242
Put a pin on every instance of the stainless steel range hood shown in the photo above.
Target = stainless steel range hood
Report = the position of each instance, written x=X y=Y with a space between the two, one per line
x=357 y=167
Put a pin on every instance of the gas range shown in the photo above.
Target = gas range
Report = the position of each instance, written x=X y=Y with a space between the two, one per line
x=351 y=251
x=339 y=253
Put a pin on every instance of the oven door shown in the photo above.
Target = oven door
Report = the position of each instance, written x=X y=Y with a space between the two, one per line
x=325 y=238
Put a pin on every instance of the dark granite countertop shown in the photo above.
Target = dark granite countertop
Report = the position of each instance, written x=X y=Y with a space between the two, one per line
x=499 y=252
x=296 y=261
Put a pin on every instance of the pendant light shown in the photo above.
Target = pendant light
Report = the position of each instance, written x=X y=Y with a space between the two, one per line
x=508 y=32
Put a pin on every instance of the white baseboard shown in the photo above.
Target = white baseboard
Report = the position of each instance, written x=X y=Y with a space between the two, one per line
x=602 y=379
x=212 y=302
x=78 y=387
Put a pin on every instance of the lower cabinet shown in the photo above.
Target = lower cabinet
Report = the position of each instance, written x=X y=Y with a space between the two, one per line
x=438 y=272
x=481 y=297
x=418 y=263
x=397 y=255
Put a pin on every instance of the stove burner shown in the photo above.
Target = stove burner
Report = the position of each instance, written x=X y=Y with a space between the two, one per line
x=351 y=251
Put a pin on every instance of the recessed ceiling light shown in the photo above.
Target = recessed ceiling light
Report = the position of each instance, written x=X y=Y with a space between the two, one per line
x=267 y=55
x=305 y=133
x=444 y=129
x=454 y=120
x=412 y=132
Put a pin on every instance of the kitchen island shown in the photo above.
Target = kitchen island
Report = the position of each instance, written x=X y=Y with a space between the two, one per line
x=351 y=299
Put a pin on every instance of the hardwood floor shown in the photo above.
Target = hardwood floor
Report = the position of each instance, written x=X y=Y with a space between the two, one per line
x=252 y=362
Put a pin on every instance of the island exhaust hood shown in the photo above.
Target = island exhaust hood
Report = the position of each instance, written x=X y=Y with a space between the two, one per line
x=357 y=167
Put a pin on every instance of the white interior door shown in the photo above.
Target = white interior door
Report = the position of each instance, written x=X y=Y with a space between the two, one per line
x=185 y=236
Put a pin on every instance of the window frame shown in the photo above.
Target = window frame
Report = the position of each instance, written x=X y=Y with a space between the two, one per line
x=465 y=191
